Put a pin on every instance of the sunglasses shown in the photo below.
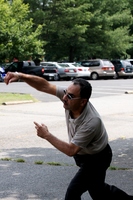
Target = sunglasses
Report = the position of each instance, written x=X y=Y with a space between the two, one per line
x=69 y=96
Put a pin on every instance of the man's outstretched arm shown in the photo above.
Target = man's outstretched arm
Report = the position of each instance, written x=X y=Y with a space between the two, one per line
x=36 y=82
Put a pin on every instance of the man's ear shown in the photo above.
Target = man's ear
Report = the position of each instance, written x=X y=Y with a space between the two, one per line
x=84 y=102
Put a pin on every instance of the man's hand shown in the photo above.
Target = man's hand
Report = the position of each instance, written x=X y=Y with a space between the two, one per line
x=42 y=130
x=11 y=77
x=69 y=149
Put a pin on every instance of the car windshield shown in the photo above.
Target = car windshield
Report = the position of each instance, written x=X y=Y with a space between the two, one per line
x=63 y=65
x=126 y=63
x=77 y=65
x=50 y=64
x=107 y=63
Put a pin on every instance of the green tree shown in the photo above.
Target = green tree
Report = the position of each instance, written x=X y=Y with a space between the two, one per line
x=119 y=22
x=79 y=29
x=130 y=50
x=17 y=38
x=108 y=32
x=64 y=22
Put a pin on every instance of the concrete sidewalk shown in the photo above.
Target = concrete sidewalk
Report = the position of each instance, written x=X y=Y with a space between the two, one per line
x=49 y=180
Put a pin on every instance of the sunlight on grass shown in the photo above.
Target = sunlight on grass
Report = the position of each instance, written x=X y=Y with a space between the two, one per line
x=39 y=162
x=5 y=97
x=6 y=159
x=20 y=160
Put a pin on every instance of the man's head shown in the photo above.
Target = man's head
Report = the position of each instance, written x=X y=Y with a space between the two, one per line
x=77 y=95
x=85 y=88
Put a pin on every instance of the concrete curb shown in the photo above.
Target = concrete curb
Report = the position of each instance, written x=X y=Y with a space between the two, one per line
x=17 y=102
x=129 y=92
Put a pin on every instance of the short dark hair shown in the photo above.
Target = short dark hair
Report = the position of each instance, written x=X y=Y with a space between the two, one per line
x=85 y=87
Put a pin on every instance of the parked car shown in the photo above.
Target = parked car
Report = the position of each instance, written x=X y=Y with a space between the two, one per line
x=99 y=68
x=123 y=68
x=83 y=72
x=63 y=72
x=50 y=73
x=29 y=67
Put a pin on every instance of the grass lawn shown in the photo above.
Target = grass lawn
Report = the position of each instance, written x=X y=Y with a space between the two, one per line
x=6 y=97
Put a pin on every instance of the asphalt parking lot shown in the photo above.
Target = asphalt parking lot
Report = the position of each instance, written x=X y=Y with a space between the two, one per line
x=49 y=180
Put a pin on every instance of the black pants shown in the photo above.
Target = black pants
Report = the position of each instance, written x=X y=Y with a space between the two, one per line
x=91 y=178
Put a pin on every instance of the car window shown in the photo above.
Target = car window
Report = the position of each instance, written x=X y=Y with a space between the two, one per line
x=116 y=63
x=94 y=63
x=85 y=64
x=91 y=63
x=48 y=64
x=107 y=63
x=64 y=65
x=43 y=64
x=77 y=65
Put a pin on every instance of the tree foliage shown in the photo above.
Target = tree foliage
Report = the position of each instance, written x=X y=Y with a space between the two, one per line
x=79 y=29
x=67 y=30
x=17 y=38
x=108 y=33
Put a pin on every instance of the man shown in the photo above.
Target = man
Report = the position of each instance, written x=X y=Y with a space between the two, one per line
x=88 y=139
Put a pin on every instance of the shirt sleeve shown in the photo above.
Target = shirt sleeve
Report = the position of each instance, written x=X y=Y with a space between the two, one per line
x=60 y=92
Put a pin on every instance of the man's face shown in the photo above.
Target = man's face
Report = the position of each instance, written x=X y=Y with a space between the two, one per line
x=71 y=98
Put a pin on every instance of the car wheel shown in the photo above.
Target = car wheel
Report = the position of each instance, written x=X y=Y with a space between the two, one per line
x=56 y=77
x=94 y=76
x=1 y=78
x=68 y=78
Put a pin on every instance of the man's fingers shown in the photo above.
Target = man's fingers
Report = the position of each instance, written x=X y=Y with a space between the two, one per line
x=36 y=124
x=9 y=78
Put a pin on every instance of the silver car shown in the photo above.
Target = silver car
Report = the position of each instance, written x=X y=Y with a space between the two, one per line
x=83 y=72
x=99 y=68
x=63 y=72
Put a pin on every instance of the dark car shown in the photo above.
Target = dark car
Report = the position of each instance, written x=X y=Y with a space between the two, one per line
x=29 y=67
x=123 y=68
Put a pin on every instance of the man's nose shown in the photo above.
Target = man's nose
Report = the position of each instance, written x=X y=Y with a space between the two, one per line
x=65 y=97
